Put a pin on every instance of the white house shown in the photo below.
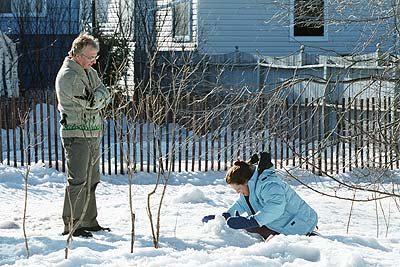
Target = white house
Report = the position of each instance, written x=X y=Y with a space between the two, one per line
x=266 y=41
x=268 y=27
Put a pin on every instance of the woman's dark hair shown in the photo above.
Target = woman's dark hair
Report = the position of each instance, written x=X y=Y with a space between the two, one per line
x=239 y=173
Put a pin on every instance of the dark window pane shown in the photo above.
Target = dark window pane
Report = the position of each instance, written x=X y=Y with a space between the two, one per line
x=181 y=19
x=5 y=6
x=309 y=18
x=39 y=6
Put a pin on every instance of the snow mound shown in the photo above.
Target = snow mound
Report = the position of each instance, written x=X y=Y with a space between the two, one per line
x=190 y=194
x=353 y=260
x=217 y=230
x=288 y=249
x=8 y=225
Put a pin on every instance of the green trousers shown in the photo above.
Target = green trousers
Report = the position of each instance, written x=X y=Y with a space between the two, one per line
x=82 y=156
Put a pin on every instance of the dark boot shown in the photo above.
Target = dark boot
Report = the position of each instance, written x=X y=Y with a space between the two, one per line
x=80 y=232
x=96 y=228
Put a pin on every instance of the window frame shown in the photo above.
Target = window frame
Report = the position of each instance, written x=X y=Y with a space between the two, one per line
x=324 y=37
x=182 y=38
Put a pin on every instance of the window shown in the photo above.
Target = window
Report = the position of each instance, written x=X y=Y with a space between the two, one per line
x=309 y=18
x=23 y=7
x=31 y=8
x=5 y=6
x=181 y=18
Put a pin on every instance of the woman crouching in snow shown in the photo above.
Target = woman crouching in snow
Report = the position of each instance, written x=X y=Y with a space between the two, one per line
x=272 y=206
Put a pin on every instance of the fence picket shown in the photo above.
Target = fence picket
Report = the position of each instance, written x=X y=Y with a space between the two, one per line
x=193 y=132
x=173 y=148
x=148 y=141
x=238 y=136
x=362 y=132
x=187 y=134
x=121 y=145
x=35 y=135
x=313 y=135
x=325 y=134
x=212 y=154
x=154 y=102
x=1 y=133
x=380 y=141
x=286 y=133
x=48 y=120
x=386 y=114
x=300 y=135
x=306 y=133
x=167 y=148
x=355 y=134
x=6 y=122
x=200 y=140
x=338 y=131
x=41 y=124
x=294 y=129
x=103 y=153
x=343 y=130
x=225 y=148
x=55 y=130
x=320 y=117
x=349 y=133
x=108 y=149
x=180 y=139
x=142 y=115
x=21 y=130
x=389 y=119
x=244 y=135
x=13 y=124
x=367 y=132
x=219 y=139
x=373 y=130
x=206 y=122
x=134 y=122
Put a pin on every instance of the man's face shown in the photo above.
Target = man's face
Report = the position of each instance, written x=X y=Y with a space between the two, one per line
x=87 y=57
x=241 y=188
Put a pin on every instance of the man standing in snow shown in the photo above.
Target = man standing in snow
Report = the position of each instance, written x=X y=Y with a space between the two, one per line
x=81 y=97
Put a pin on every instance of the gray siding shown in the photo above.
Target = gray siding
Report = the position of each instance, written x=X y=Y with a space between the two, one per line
x=263 y=27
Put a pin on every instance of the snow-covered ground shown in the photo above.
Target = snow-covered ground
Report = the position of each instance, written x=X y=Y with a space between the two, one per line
x=184 y=239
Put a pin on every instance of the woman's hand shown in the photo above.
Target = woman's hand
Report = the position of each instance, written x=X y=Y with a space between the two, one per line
x=208 y=218
x=240 y=222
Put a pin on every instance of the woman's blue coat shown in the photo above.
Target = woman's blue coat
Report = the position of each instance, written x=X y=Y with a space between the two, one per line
x=276 y=205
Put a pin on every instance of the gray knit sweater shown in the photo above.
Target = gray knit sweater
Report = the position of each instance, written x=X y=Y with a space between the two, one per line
x=81 y=97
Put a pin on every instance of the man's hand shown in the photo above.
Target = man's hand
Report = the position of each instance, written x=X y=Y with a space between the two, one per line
x=88 y=97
